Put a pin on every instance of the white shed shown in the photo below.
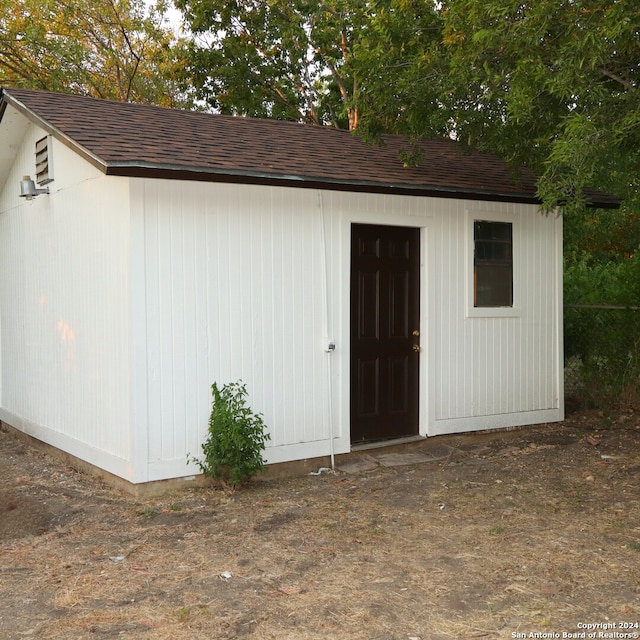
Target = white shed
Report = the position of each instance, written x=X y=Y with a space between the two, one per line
x=176 y=249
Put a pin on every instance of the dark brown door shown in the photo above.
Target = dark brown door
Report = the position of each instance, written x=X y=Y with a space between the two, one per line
x=385 y=322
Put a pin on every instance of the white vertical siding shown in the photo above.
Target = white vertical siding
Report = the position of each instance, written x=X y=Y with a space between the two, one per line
x=248 y=282
x=64 y=307
x=501 y=369
x=234 y=291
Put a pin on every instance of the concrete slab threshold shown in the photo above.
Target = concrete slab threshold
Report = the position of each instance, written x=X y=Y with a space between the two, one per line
x=370 y=461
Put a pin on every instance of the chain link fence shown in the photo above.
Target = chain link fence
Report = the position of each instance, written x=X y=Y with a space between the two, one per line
x=602 y=356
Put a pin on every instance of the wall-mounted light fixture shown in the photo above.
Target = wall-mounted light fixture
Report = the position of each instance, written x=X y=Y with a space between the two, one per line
x=28 y=188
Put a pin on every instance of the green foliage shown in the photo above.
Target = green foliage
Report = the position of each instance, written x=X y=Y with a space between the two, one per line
x=602 y=236
x=602 y=354
x=280 y=59
x=401 y=67
x=602 y=345
x=552 y=85
x=602 y=283
x=120 y=49
x=237 y=437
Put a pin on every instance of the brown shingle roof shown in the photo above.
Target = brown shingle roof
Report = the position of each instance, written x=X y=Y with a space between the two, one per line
x=134 y=139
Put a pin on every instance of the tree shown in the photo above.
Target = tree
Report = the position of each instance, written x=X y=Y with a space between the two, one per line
x=117 y=49
x=400 y=61
x=285 y=59
x=552 y=84
x=549 y=84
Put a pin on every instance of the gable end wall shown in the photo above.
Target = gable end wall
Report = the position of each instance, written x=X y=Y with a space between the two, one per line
x=64 y=308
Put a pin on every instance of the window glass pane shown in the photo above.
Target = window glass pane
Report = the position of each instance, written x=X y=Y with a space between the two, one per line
x=500 y=231
x=493 y=264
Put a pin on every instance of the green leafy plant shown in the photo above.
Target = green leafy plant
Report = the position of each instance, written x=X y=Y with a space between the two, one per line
x=183 y=613
x=237 y=437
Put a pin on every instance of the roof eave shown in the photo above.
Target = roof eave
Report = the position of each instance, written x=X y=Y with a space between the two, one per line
x=141 y=169
x=177 y=172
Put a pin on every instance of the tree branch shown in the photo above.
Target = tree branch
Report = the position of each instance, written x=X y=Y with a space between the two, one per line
x=625 y=83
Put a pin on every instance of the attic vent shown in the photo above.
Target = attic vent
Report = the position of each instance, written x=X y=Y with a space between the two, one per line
x=44 y=173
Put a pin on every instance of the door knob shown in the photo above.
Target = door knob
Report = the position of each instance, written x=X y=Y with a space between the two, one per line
x=415 y=333
x=416 y=348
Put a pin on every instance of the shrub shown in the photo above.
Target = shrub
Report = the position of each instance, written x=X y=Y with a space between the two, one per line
x=602 y=328
x=233 y=450
x=602 y=356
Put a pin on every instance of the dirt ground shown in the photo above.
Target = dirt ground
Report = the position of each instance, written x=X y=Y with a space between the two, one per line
x=535 y=531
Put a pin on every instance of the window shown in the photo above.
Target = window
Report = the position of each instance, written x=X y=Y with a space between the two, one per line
x=492 y=264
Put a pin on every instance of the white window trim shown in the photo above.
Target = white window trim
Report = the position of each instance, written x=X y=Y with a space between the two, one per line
x=491 y=312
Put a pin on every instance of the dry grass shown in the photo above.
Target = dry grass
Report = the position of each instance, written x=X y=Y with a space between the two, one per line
x=538 y=533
